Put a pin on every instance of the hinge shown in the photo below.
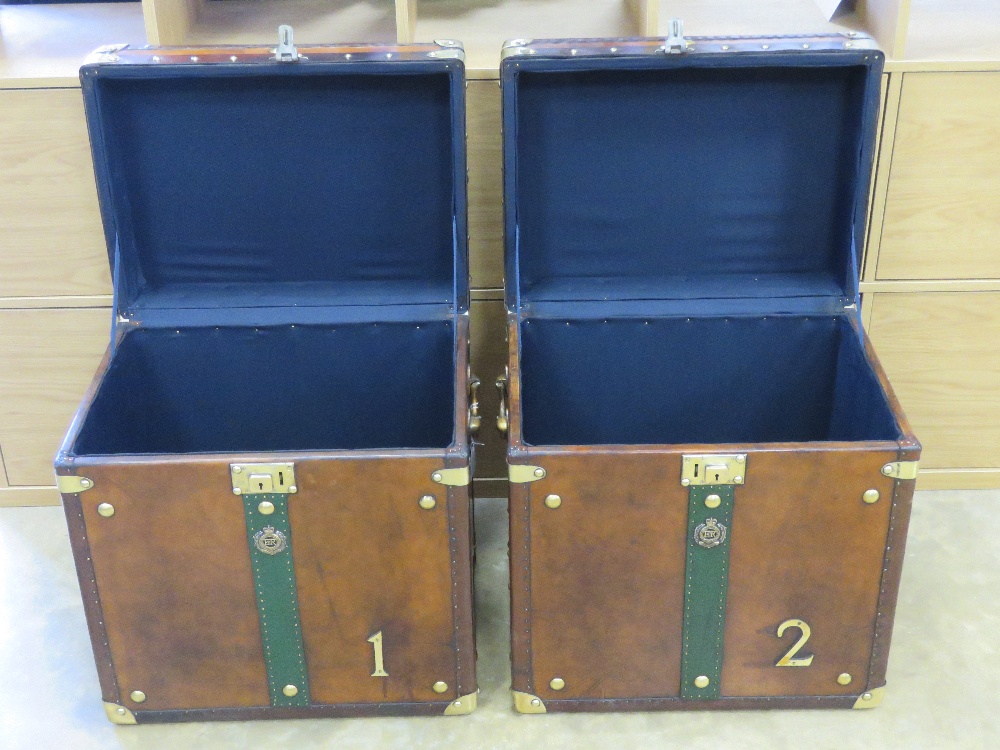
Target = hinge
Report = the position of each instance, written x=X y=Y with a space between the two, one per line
x=70 y=484
x=119 y=714
x=676 y=43
x=870 y=699
x=464 y=705
x=901 y=469
x=522 y=474
x=285 y=51
x=452 y=477
x=451 y=50
x=526 y=703
x=714 y=469
x=275 y=479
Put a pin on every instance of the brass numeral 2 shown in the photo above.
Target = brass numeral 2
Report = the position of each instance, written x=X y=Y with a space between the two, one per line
x=790 y=659
x=376 y=641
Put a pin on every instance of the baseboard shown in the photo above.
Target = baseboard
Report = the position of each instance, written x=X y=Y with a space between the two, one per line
x=14 y=497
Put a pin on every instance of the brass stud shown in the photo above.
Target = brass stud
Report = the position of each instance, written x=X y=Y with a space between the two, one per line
x=539 y=472
x=701 y=681
x=237 y=469
x=436 y=476
x=557 y=683
x=866 y=697
x=844 y=679
x=120 y=711
x=713 y=501
x=535 y=702
x=266 y=507
x=290 y=690
x=439 y=686
x=86 y=483
x=685 y=482
x=737 y=479
x=106 y=509
x=887 y=469
x=293 y=489
x=138 y=696
x=427 y=502
x=870 y=496
x=553 y=501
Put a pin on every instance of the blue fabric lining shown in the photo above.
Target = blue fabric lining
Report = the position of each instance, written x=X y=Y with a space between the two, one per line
x=687 y=177
x=282 y=388
x=270 y=182
x=699 y=380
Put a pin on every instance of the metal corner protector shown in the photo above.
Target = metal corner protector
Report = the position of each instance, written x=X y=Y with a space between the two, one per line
x=870 y=698
x=526 y=703
x=118 y=714
x=464 y=705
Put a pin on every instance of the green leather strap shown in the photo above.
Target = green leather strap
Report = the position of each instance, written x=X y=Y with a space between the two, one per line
x=277 y=599
x=707 y=578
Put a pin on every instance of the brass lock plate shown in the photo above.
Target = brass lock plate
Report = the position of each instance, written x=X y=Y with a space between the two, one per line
x=250 y=479
x=714 y=469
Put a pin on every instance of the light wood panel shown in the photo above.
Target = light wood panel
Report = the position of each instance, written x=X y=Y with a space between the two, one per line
x=314 y=21
x=645 y=16
x=168 y=21
x=887 y=21
x=15 y=497
x=406 y=20
x=485 y=184
x=940 y=351
x=942 y=213
x=891 y=90
x=47 y=43
x=51 y=240
x=735 y=18
x=484 y=25
x=954 y=30
x=47 y=360
x=488 y=326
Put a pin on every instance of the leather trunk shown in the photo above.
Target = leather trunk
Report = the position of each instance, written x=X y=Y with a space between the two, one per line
x=710 y=477
x=267 y=485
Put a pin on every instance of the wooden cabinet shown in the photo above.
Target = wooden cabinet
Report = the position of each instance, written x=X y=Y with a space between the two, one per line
x=485 y=184
x=47 y=359
x=940 y=352
x=942 y=210
x=51 y=240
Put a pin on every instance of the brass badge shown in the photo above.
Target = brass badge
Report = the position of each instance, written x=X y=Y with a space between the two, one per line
x=270 y=541
x=710 y=534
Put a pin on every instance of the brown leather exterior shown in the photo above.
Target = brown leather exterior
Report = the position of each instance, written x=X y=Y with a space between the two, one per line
x=597 y=584
x=222 y=54
x=169 y=593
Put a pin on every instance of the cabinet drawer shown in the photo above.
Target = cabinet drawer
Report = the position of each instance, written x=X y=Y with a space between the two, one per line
x=942 y=214
x=47 y=360
x=51 y=241
x=939 y=350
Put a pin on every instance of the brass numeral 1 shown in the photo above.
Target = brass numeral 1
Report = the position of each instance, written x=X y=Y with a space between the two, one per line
x=376 y=641
x=790 y=659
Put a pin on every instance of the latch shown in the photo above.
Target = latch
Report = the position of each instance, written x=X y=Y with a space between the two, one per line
x=676 y=43
x=714 y=469
x=249 y=479
x=502 y=414
x=285 y=51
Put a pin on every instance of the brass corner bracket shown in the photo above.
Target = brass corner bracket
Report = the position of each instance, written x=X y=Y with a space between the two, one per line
x=901 y=469
x=70 y=484
x=118 y=714
x=464 y=705
x=522 y=474
x=452 y=477
x=526 y=703
x=871 y=698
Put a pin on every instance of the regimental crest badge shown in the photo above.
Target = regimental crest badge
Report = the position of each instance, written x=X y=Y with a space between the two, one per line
x=270 y=541
x=710 y=534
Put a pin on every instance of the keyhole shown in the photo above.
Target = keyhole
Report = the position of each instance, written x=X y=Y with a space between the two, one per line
x=696 y=471
x=281 y=478
x=716 y=477
x=260 y=485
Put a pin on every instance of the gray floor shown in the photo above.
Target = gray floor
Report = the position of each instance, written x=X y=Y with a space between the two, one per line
x=944 y=675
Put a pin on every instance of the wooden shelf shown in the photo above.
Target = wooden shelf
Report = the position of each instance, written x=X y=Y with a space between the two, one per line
x=484 y=25
x=44 y=45
x=954 y=30
x=735 y=18
x=314 y=21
